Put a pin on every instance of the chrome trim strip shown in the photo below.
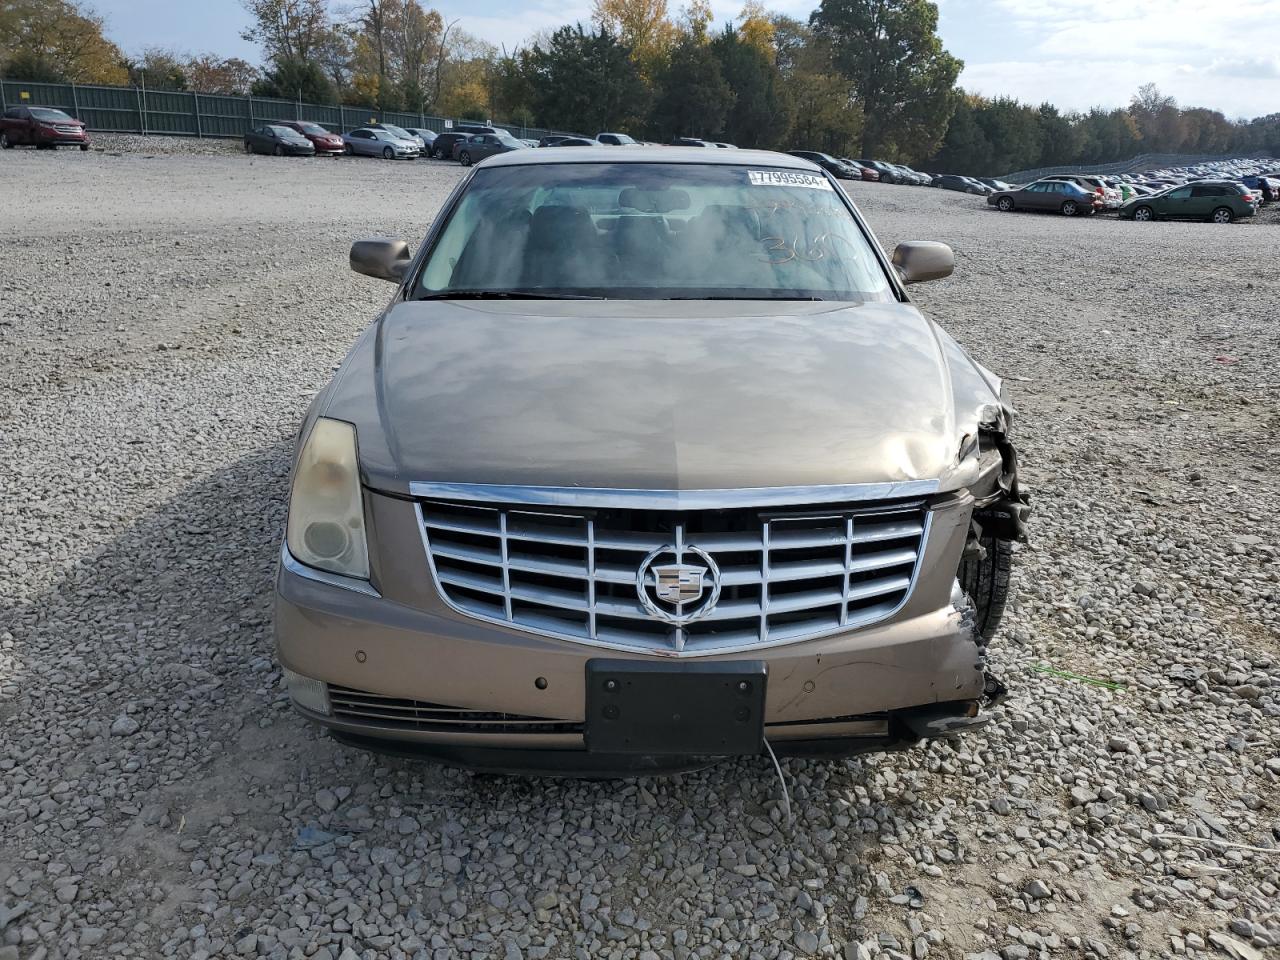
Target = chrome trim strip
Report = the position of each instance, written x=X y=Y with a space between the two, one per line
x=296 y=567
x=624 y=498
x=669 y=653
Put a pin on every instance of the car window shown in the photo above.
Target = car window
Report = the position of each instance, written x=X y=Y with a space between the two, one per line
x=44 y=113
x=1180 y=194
x=654 y=231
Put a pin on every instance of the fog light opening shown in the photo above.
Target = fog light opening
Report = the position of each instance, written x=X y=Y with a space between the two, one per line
x=308 y=693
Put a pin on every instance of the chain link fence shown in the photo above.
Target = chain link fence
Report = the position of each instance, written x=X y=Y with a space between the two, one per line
x=1146 y=161
x=190 y=114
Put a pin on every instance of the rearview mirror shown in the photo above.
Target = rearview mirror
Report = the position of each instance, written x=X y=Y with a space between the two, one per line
x=920 y=260
x=381 y=258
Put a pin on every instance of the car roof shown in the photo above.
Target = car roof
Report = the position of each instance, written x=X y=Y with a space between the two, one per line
x=605 y=154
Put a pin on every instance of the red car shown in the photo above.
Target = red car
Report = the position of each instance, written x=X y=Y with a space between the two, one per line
x=42 y=128
x=325 y=141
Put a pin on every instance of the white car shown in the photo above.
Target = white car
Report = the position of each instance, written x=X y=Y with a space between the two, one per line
x=379 y=143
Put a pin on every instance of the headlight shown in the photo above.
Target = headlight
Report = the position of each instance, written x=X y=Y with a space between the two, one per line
x=326 y=513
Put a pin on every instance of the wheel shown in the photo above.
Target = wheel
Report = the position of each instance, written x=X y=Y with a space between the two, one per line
x=388 y=153
x=248 y=148
x=985 y=580
x=1005 y=204
x=348 y=150
x=84 y=146
x=1069 y=208
x=1223 y=215
x=5 y=143
x=1144 y=214
x=464 y=158
x=437 y=154
x=278 y=151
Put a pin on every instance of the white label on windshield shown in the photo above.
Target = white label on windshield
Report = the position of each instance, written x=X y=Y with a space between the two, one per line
x=787 y=178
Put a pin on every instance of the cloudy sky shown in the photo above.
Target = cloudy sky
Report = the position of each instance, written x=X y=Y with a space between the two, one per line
x=1074 y=53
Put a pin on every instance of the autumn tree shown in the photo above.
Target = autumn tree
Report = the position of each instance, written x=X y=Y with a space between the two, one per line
x=643 y=26
x=209 y=73
x=897 y=69
x=56 y=41
x=287 y=29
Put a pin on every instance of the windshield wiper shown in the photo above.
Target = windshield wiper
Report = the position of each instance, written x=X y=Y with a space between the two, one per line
x=763 y=299
x=506 y=295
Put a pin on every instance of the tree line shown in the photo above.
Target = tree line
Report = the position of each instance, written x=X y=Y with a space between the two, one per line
x=862 y=78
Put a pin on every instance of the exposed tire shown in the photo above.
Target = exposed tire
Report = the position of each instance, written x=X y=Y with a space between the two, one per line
x=464 y=158
x=349 y=150
x=985 y=580
x=279 y=150
x=1222 y=215
x=1144 y=214
x=84 y=147
x=1069 y=208
x=388 y=153
x=1005 y=204
x=5 y=143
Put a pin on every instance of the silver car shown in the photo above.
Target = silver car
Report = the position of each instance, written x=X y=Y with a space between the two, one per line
x=379 y=143
x=650 y=460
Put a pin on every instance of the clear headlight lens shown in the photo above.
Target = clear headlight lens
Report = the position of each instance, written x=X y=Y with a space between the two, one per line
x=326 y=512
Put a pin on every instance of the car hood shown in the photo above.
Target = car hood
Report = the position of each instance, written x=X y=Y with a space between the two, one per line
x=668 y=395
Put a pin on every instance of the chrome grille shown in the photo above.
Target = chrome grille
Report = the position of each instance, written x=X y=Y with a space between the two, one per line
x=360 y=706
x=784 y=575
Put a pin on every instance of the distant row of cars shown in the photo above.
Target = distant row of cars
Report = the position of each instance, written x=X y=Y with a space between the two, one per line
x=1219 y=192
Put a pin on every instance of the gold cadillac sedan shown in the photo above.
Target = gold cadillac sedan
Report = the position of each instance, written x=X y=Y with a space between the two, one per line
x=650 y=460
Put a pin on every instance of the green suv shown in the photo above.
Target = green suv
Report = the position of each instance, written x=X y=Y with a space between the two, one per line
x=1215 y=201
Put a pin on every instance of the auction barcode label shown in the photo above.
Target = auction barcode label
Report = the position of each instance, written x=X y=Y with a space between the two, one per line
x=787 y=178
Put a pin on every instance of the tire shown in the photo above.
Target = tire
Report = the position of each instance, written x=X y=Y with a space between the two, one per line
x=84 y=147
x=248 y=149
x=348 y=150
x=464 y=158
x=1005 y=204
x=5 y=142
x=437 y=154
x=278 y=151
x=985 y=581
x=1144 y=214
x=1222 y=215
x=388 y=153
x=1069 y=208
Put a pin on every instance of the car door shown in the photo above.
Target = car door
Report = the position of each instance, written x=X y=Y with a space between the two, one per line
x=1205 y=198
x=1176 y=204
x=1033 y=197
x=366 y=143
x=25 y=128
x=254 y=139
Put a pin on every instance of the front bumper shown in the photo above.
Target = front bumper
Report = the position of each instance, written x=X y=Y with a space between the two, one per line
x=394 y=644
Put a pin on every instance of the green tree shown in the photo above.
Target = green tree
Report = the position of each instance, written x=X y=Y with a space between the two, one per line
x=288 y=29
x=291 y=79
x=584 y=80
x=159 y=69
x=759 y=116
x=694 y=99
x=898 y=69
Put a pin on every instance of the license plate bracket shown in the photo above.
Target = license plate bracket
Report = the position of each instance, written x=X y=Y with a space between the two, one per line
x=690 y=709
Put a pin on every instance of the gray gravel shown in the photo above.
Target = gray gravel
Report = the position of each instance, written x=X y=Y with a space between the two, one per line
x=163 y=323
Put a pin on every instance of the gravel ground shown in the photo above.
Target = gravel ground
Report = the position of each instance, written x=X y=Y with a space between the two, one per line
x=163 y=323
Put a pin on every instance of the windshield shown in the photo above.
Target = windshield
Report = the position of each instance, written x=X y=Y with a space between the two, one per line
x=652 y=231
x=508 y=141
x=287 y=133
x=400 y=132
x=42 y=113
x=314 y=129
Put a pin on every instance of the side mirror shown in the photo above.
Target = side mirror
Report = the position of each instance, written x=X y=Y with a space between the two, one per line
x=381 y=258
x=920 y=260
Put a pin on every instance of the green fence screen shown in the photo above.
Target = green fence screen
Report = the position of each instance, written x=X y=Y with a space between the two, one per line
x=189 y=114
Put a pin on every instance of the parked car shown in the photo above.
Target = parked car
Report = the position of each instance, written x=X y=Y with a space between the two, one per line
x=1220 y=202
x=442 y=146
x=1111 y=197
x=428 y=137
x=478 y=146
x=324 y=140
x=474 y=570
x=367 y=142
x=837 y=168
x=278 y=139
x=1060 y=196
x=615 y=139
x=950 y=181
x=886 y=171
x=572 y=142
x=996 y=184
x=551 y=139
x=401 y=133
x=691 y=142
x=859 y=172
x=45 y=128
x=1268 y=188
